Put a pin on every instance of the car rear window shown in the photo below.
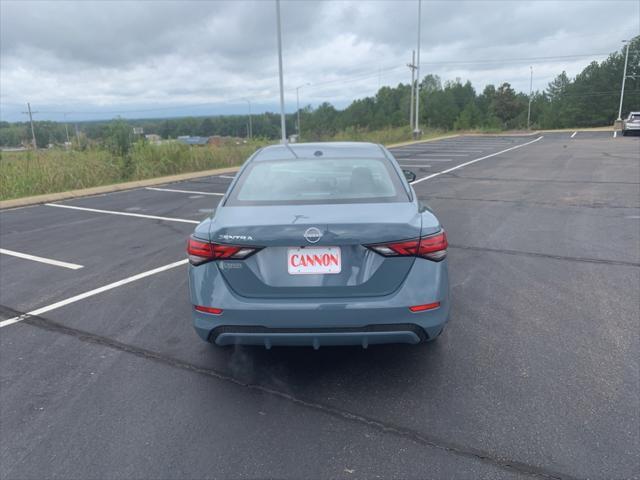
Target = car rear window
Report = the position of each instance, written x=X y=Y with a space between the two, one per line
x=318 y=181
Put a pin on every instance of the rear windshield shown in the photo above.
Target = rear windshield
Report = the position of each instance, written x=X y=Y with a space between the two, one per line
x=318 y=181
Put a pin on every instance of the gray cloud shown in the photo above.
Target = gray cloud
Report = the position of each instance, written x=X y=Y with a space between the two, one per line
x=123 y=55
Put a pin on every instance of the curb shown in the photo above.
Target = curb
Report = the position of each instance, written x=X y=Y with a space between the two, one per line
x=413 y=142
x=116 y=187
x=589 y=129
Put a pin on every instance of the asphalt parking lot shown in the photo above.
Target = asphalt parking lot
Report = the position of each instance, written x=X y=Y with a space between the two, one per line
x=536 y=376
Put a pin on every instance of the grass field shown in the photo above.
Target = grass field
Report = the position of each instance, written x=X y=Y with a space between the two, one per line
x=48 y=171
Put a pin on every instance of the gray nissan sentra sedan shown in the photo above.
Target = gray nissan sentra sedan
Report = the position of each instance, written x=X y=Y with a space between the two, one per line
x=319 y=244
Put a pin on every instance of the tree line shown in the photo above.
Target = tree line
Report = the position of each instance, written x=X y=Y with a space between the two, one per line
x=590 y=99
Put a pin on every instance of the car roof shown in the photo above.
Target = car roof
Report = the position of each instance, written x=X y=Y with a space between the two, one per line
x=327 y=150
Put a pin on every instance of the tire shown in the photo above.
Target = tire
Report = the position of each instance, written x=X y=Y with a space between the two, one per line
x=624 y=133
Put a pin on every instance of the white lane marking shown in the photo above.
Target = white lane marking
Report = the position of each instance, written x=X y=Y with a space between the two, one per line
x=453 y=145
x=435 y=154
x=574 y=134
x=439 y=147
x=444 y=153
x=614 y=134
x=226 y=176
x=425 y=160
x=474 y=161
x=91 y=293
x=125 y=214
x=57 y=263
x=193 y=192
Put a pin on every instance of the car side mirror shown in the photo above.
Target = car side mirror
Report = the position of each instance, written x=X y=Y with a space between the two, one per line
x=409 y=175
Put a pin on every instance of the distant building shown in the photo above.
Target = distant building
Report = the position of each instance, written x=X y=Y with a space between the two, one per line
x=153 y=138
x=13 y=149
x=199 y=141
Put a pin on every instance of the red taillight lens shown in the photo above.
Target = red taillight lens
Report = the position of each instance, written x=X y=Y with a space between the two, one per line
x=210 y=310
x=432 y=247
x=199 y=248
x=200 y=251
x=426 y=306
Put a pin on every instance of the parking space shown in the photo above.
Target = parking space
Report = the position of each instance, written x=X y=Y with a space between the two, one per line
x=536 y=375
x=433 y=156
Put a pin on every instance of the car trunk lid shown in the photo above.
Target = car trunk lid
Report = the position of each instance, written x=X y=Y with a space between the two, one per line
x=281 y=230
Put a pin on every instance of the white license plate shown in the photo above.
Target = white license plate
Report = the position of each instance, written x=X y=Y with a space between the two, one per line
x=314 y=260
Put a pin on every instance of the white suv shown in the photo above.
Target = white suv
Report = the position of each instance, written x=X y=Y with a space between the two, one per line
x=631 y=123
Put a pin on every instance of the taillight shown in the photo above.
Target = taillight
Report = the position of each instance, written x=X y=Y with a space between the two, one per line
x=431 y=247
x=201 y=251
x=209 y=310
x=424 y=307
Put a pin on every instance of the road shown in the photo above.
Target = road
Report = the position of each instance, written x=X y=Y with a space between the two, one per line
x=536 y=376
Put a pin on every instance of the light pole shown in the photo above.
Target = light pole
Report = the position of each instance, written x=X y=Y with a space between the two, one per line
x=624 y=77
x=298 y=105
x=250 y=129
x=530 y=94
x=283 y=125
x=416 y=131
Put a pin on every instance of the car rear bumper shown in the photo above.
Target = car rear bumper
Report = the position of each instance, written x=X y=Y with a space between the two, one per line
x=323 y=321
x=319 y=337
x=336 y=324
x=631 y=127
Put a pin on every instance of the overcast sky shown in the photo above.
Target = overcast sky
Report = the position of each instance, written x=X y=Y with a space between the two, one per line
x=164 y=58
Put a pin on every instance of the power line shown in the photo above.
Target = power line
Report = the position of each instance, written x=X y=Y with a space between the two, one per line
x=515 y=59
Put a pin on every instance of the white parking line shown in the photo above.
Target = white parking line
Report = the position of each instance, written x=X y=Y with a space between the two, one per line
x=474 y=161
x=57 y=263
x=614 y=134
x=193 y=192
x=226 y=176
x=440 y=154
x=456 y=153
x=91 y=293
x=125 y=214
x=425 y=159
x=574 y=134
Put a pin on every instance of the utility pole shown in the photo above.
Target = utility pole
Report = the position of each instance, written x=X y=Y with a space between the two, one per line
x=250 y=128
x=624 y=77
x=66 y=127
x=33 y=132
x=530 y=94
x=298 y=107
x=412 y=66
x=283 y=125
x=416 y=131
